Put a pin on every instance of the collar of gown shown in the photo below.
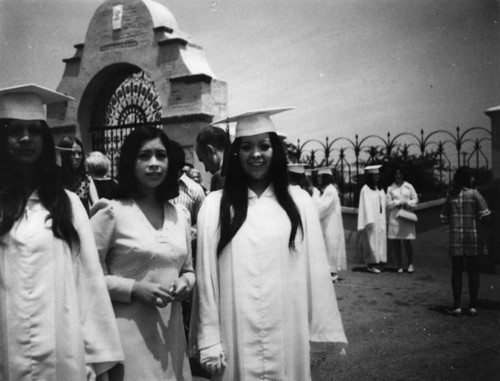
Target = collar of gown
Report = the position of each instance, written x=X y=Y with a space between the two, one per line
x=34 y=196
x=269 y=192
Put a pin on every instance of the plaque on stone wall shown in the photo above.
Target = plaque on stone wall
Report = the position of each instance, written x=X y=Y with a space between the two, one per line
x=117 y=16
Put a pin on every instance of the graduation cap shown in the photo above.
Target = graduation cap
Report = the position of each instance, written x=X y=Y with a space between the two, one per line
x=324 y=171
x=254 y=122
x=296 y=168
x=373 y=168
x=26 y=102
x=281 y=135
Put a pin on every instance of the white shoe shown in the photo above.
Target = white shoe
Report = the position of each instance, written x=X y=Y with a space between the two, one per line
x=335 y=277
x=373 y=270
x=411 y=269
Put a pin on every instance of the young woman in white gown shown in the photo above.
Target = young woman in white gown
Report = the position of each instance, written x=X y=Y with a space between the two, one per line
x=56 y=320
x=372 y=223
x=267 y=306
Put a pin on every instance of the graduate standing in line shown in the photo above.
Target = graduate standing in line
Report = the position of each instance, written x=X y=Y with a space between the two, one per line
x=372 y=221
x=267 y=307
x=297 y=175
x=56 y=320
x=330 y=213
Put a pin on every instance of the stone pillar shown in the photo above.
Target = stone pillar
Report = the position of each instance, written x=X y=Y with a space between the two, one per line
x=494 y=114
x=491 y=191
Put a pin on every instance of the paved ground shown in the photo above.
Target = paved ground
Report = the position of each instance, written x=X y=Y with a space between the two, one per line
x=397 y=328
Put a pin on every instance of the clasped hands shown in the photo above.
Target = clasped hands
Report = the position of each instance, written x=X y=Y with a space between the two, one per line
x=403 y=205
x=160 y=296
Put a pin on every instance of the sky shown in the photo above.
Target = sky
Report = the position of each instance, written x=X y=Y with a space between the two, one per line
x=348 y=66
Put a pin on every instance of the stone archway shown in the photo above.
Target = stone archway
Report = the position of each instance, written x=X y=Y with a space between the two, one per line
x=126 y=38
x=118 y=99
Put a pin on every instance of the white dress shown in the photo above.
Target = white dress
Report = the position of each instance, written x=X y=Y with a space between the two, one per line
x=265 y=303
x=55 y=312
x=330 y=214
x=372 y=222
x=131 y=249
x=400 y=228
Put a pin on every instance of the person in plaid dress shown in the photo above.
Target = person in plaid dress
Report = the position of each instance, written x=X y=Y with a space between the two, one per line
x=463 y=209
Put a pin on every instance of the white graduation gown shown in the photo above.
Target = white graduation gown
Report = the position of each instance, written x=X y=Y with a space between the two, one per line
x=265 y=303
x=372 y=222
x=55 y=311
x=330 y=214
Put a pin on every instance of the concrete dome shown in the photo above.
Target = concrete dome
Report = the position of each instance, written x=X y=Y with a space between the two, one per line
x=161 y=16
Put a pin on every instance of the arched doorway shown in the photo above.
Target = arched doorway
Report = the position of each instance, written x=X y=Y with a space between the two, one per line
x=126 y=99
x=137 y=69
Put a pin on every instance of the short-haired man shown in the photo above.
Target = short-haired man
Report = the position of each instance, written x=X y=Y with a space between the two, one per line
x=210 y=145
x=191 y=194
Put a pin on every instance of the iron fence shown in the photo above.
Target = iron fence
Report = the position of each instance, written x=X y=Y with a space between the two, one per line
x=348 y=157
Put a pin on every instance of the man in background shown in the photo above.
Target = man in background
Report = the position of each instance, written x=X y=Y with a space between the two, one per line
x=191 y=194
x=210 y=144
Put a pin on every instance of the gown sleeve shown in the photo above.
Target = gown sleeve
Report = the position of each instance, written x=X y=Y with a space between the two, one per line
x=100 y=332
x=325 y=323
x=205 y=322
x=324 y=202
x=365 y=211
x=103 y=221
x=336 y=200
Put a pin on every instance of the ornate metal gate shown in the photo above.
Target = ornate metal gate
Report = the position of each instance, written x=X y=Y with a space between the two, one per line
x=119 y=109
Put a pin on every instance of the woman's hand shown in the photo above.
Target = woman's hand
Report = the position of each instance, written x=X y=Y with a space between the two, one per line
x=180 y=289
x=152 y=293
x=212 y=359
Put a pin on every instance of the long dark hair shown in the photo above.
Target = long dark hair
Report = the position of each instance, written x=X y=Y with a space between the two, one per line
x=461 y=179
x=129 y=188
x=234 y=202
x=370 y=181
x=48 y=184
x=71 y=177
